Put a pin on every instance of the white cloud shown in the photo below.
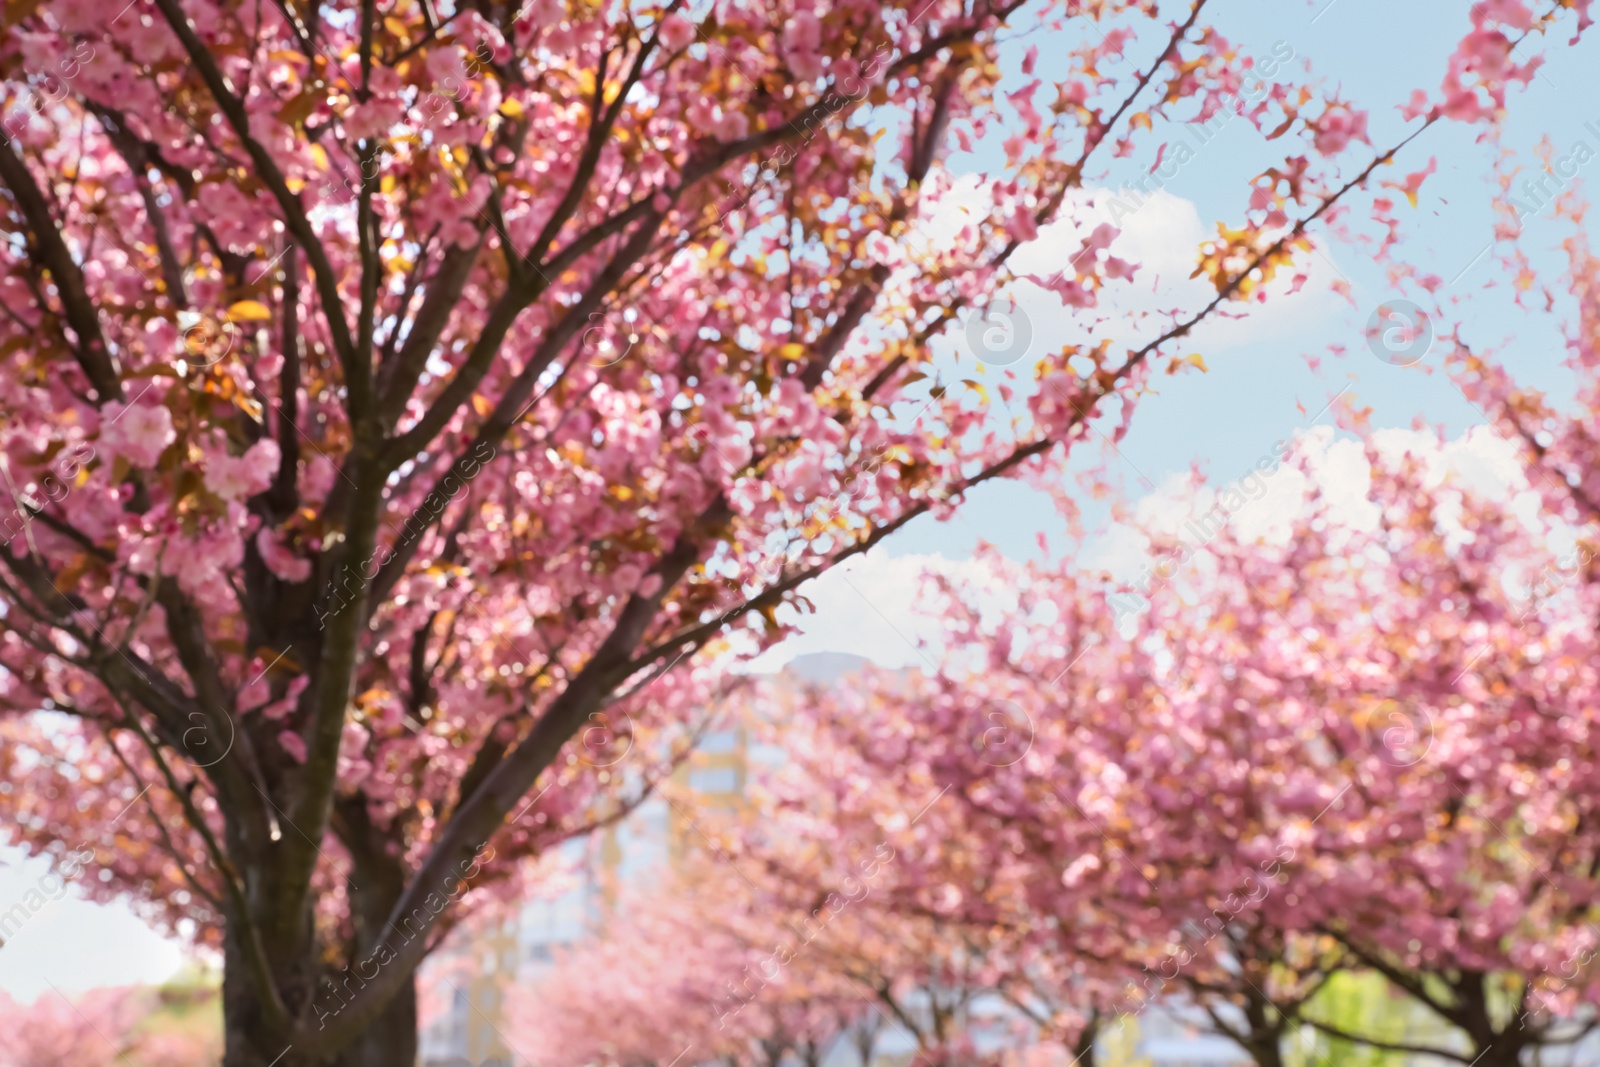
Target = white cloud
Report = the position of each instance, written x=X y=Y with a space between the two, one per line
x=1162 y=238
x=868 y=606
x=1478 y=462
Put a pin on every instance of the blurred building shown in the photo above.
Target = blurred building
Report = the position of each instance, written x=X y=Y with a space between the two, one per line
x=474 y=974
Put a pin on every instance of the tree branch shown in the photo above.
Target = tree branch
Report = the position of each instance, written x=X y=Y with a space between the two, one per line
x=295 y=218
x=81 y=313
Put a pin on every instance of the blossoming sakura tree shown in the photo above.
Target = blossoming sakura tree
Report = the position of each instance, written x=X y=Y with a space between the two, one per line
x=400 y=395
x=661 y=982
x=1357 y=746
x=94 y=1030
x=780 y=938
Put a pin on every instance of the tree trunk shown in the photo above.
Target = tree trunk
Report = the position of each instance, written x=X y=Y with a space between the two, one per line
x=1264 y=1041
x=1084 y=1049
x=1267 y=1052
x=1502 y=1053
x=391 y=1041
x=311 y=989
x=377 y=881
x=248 y=1040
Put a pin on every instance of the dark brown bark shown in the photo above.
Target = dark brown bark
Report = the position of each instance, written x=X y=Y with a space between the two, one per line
x=1264 y=1041
x=392 y=1040
x=1083 y=1051
x=249 y=1039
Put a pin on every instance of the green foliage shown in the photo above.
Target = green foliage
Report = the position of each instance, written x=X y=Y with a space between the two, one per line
x=1359 y=1002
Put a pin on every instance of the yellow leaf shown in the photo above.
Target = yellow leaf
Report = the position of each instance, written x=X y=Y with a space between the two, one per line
x=319 y=155
x=512 y=109
x=299 y=109
x=482 y=405
x=395 y=26
x=68 y=576
x=792 y=350
x=249 y=311
x=622 y=492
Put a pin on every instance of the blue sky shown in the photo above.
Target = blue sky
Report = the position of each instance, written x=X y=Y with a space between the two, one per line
x=1376 y=51
x=1375 y=54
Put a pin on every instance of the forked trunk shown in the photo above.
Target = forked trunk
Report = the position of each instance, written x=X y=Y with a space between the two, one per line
x=390 y=1041
x=248 y=1039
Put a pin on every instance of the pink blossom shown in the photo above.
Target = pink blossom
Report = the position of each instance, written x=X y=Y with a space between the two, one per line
x=237 y=477
x=803 y=32
x=279 y=559
x=1417 y=105
x=1512 y=13
x=1463 y=105
x=139 y=433
x=279 y=708
x=1338 y=127
x=1022 y=100
x=807 y=66
x=1485 y=52
x=234 y=215
x=677 y=32
x=444 y=64
x=93 y=1029
x=881 y=248
x=373 y=119
x=293 y=744
x=1101 y=237
x=1022 y=224
x=732 y=126
x=257 y=691
x=546 y=13
x=317 y=477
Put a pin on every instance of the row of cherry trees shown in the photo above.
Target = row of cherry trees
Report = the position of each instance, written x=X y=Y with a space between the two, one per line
x=101 y=1028
x=1363 y=738
x=1367 y=744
